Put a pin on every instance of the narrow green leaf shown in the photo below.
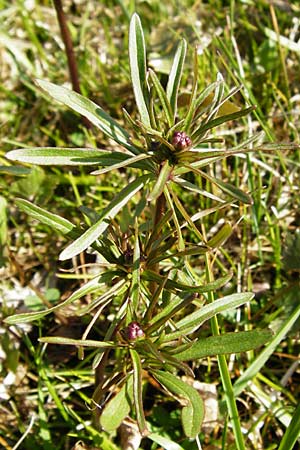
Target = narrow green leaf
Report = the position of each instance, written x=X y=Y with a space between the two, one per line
x=193 y=321
x=193 y=99
x=193 y=412
x=131 y=161
x=138 y=391
x=161 y=181
x=57 y=156
x=180 y=240
x=192 y=187
x=219 y=121
x=56 y=222
x=233 y=191
x=15 y=170
x=163 y=98
x=221 y=236
x=88 y=288
x=172 y=285
x=135 y=281
x=78 y=342
x=93 y=112
x=93 y=233
x=137 y=60
x=193 y=250
x=175 y=76
x=178 y=303
x=224 y=344
x=118 y=408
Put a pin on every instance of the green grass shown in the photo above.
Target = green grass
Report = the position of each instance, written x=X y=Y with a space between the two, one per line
x=47 y=402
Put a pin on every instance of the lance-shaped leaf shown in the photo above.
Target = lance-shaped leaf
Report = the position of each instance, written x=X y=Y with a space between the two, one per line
x=175 y=76
x=173 y=285
x=78 y=342
x=56 y=222
x=161 y=181
x=137 y=60
x=193 y=411
x=138 y=391
x=118 y=408
x=178 y=303
x=93 y=233
x=233 y=191
x=219 y=121
x=193 y=321
x=93 y=112
x=224 y=344
x=134 y=161
x=91 y=286
x=221 y=236
x=15 y=170
x=163 y=98
x=57 y=156
x=135 y=281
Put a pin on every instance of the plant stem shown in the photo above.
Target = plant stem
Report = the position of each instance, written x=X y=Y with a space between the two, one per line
x=158 y=214
x=224 y=372
x=66 y=37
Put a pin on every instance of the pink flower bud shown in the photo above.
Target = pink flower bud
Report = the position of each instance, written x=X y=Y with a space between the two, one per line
x=181 y=140
x=134 y=331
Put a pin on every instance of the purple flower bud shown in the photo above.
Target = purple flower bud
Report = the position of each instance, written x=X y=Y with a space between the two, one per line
x=181 y=140
x=134 y=331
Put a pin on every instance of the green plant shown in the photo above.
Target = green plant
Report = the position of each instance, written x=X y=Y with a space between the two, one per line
x=150 y=242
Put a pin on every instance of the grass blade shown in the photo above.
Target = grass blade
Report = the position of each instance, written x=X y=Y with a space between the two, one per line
x=292 y=432
x=260 y=361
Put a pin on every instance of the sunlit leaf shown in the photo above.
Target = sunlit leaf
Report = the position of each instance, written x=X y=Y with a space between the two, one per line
x=193 y=411
x=224 y=344
x=56 y=222
x=219 y=121
x=161 y=181
x=93 y=112
x=91 y=286
x=193 y=321
x=138 y=391
x=162 y=97
x=57 y=156
x=137 y=60
x=94 y=232
x=78 y=342
x=118 y=408
x=175 y=76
